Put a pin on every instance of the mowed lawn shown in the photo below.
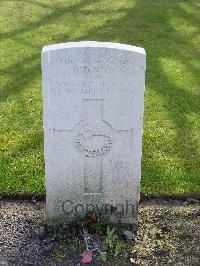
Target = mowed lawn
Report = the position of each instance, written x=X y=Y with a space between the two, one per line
x=168 y=30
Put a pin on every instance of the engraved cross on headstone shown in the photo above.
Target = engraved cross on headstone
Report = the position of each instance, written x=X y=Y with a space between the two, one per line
x=94 y=138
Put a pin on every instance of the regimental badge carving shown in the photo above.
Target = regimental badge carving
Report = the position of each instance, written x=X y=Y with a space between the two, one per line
x=93 y=140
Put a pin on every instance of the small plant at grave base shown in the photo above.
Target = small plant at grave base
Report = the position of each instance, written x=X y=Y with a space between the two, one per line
x=118 y=248
x=112 y=241
x=103 y=256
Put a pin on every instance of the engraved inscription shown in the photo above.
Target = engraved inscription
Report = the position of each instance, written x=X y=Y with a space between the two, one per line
x=120 y=168
x=102 y=89
x=111 y=60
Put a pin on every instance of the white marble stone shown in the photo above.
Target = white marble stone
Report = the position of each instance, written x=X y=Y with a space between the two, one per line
x=93 y=97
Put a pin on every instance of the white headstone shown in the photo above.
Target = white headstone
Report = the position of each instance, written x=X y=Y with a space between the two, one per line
x=93 y=96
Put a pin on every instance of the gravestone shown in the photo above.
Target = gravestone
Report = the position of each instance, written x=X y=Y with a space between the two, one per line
x=93 y=95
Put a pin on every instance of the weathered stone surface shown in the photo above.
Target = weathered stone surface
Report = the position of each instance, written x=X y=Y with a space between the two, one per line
x=93 y=110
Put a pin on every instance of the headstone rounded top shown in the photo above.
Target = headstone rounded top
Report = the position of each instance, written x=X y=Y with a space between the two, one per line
x=93 y=97
x=93 y=44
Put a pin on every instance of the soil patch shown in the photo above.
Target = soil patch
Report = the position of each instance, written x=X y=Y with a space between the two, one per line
x=168 y=234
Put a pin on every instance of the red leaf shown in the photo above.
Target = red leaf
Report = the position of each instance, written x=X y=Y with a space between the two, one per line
x=87 y=256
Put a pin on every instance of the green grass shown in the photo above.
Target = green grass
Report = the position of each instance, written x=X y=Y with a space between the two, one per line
x=168 y=30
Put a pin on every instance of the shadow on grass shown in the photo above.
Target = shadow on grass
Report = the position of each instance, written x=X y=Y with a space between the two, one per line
x=20 y=74
x=147 y=24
